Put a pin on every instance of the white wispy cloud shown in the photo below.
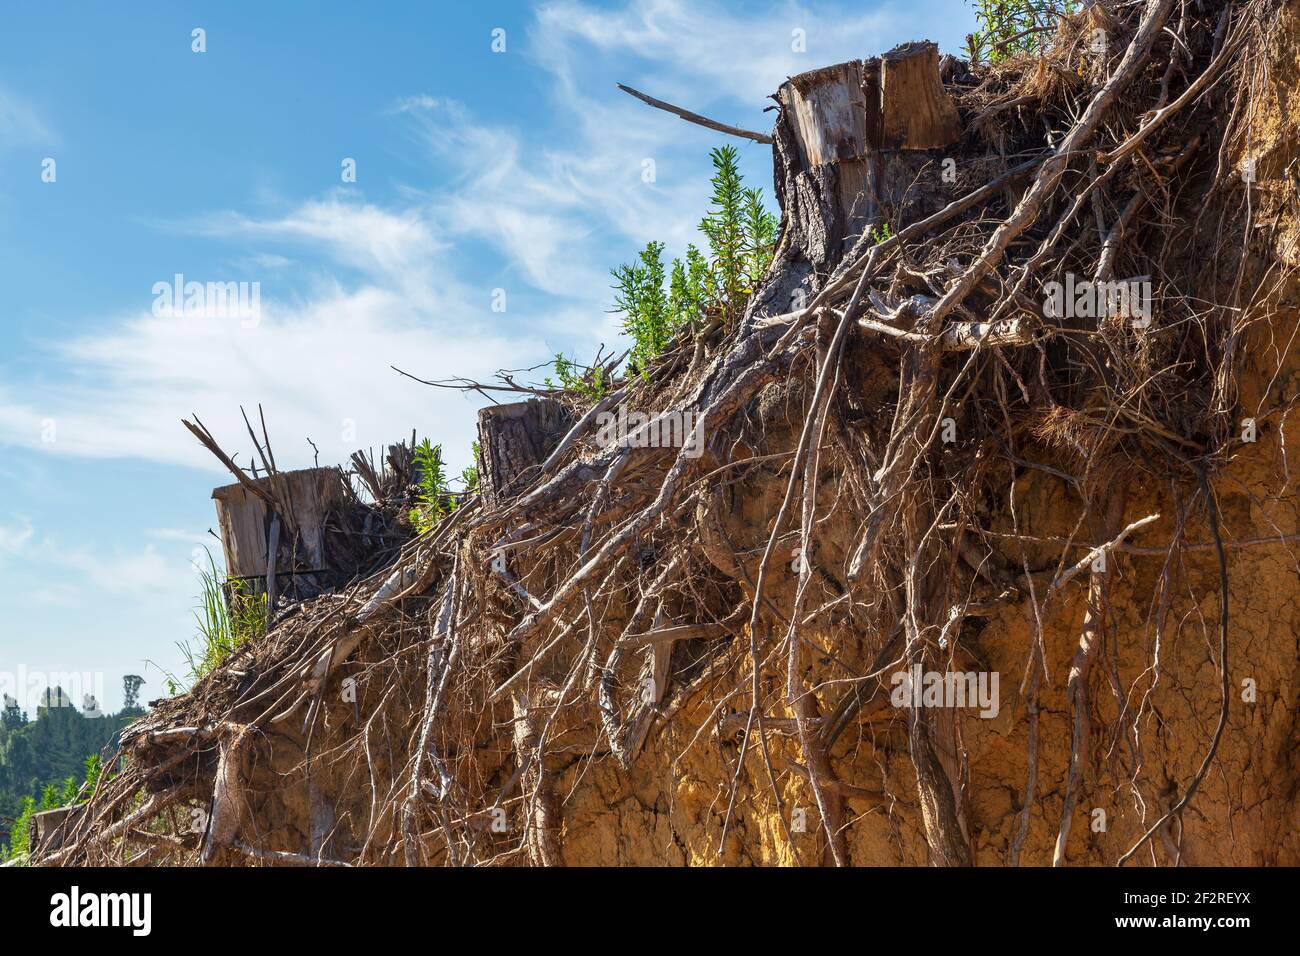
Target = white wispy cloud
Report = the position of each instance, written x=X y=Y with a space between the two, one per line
x=77 y=573
x=318 y=362
x=320 y=371
x=20 y=123
x=120 y=573
x=395 y=249
x=15 y=537
x=708 y=52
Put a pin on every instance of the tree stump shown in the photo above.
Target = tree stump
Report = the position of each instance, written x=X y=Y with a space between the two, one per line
x=248 y=522
x=49 y=827
x=245 y=519
x=856 y=148
x=514 y=439
x=821 y=146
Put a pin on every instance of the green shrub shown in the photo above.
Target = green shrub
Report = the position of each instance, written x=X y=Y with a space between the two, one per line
x=741 y=236
x=689 y=288
x=20 y=833
x=760 y=239
x=435 y=499
x=1011 y=27
x=639 y=295
x=585 y=380
x=469 y=474
x=94 y=769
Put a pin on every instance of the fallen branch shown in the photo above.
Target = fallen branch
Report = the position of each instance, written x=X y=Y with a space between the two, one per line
x=696 y=118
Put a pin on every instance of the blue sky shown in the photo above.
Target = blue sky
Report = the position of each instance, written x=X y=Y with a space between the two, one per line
x=475 y=171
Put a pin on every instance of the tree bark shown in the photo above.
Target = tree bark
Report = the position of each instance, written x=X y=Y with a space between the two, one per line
x=513 y=441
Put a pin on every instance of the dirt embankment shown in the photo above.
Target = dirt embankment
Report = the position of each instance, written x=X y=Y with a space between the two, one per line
x=1160 y=684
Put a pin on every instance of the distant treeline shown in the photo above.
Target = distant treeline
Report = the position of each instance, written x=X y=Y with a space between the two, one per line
x=43 y=762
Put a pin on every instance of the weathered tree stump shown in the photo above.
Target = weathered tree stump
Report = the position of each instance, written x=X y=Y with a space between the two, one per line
x=513 y=439
x=273 y=532
x=827 y=115
x=852 y=148
x=304 y=499
x=49 y=827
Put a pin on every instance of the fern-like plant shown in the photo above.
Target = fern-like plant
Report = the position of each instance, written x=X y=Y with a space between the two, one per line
x=94 y=770
x=51 y=797
x=724 y=226
x=760 y=239
x=20 y=832
x=639 y=295
x=689 y=294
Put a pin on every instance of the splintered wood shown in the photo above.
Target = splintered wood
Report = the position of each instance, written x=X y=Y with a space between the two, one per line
x=245 y=520
x=914 y=110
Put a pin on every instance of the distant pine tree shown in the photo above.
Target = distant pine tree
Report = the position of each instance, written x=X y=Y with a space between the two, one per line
x=43 y=762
